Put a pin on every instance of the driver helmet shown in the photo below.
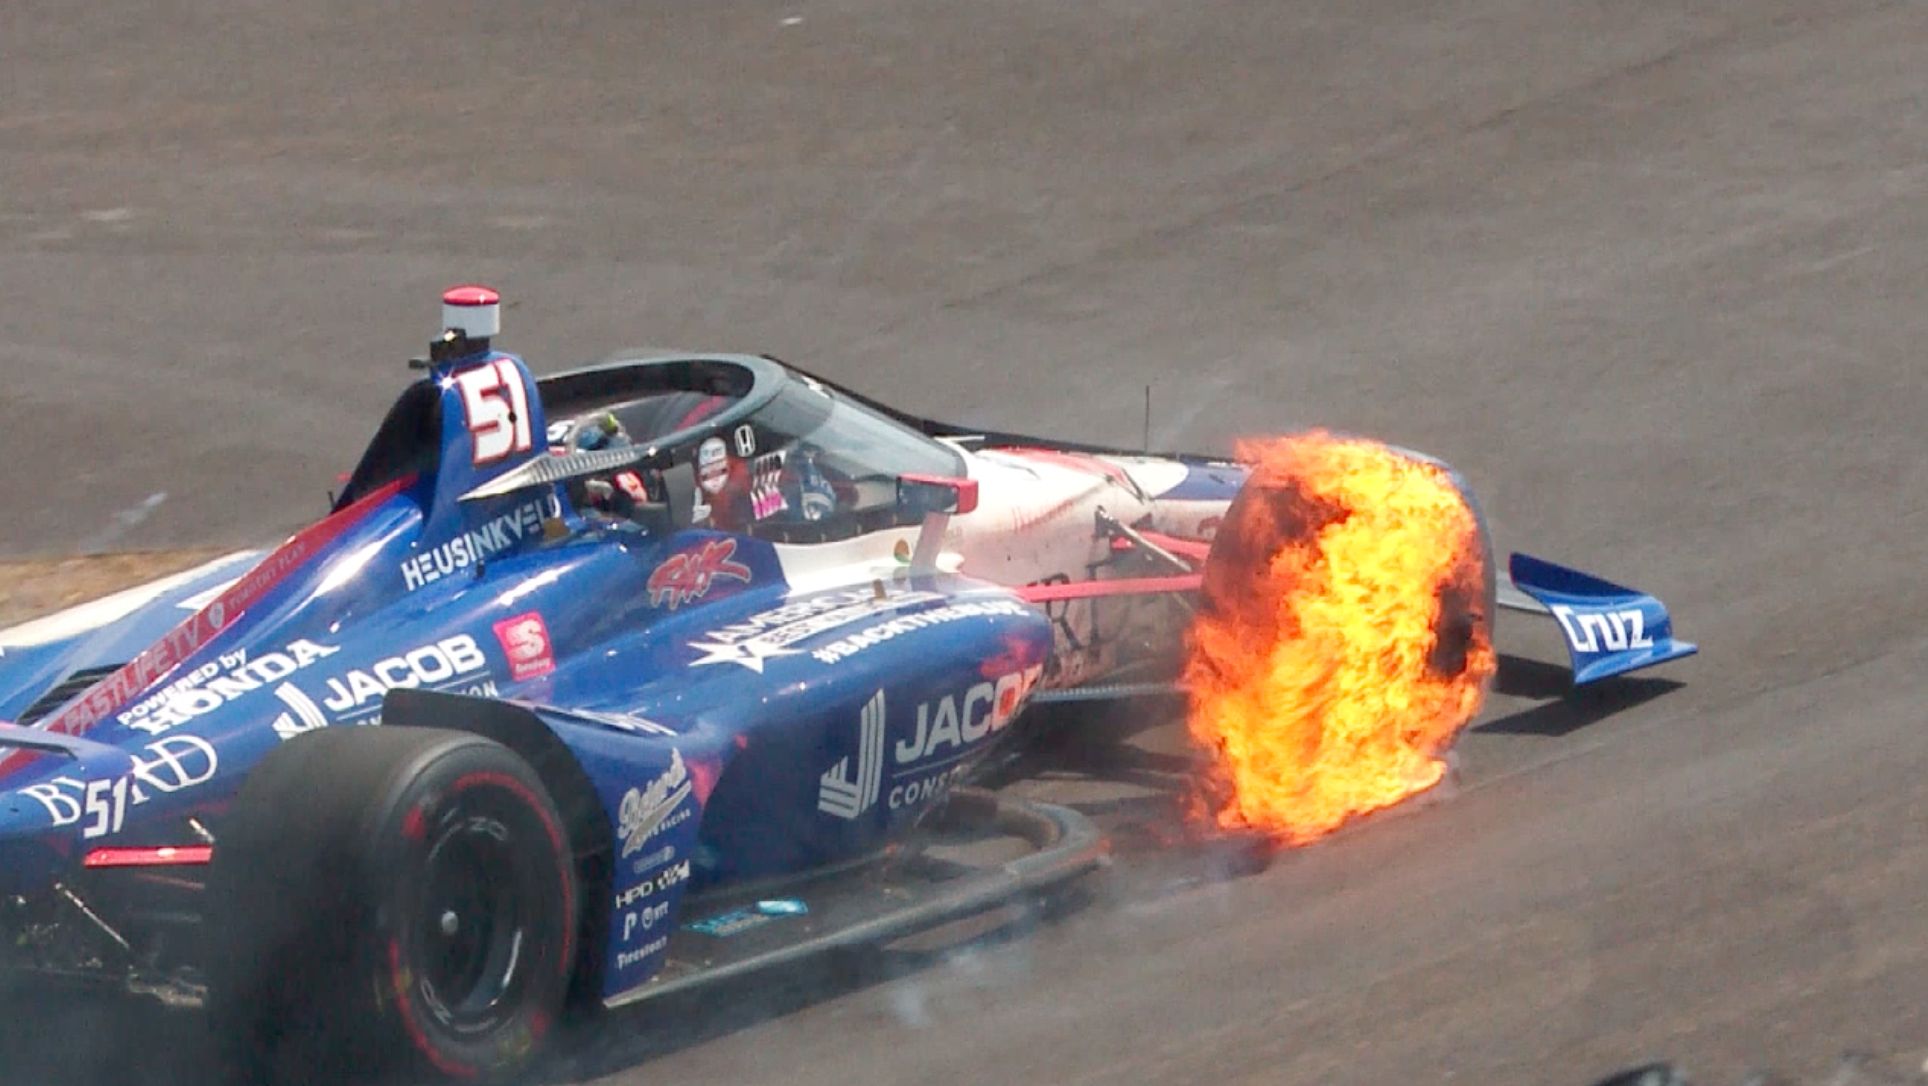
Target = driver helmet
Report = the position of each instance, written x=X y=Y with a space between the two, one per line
x=619 y=492
x=601 y=433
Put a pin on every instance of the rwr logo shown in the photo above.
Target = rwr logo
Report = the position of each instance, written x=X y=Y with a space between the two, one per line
x=688 y=575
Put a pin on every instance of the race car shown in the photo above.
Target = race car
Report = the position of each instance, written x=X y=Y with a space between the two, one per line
x=679 y=661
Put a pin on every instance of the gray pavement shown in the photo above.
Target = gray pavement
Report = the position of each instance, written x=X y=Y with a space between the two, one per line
x=1650 y=273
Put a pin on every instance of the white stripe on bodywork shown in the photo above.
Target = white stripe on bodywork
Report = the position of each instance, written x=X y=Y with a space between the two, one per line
x=873 y=736
x=1026 y=506
x=813 y=567
x=1153 y=476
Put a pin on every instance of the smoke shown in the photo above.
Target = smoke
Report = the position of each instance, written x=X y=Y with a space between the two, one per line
x=52 y=1035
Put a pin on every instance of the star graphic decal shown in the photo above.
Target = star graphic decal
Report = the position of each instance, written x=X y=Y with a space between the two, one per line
x=750 y=654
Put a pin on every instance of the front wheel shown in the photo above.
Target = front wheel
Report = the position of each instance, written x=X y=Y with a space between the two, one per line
x=389 y=896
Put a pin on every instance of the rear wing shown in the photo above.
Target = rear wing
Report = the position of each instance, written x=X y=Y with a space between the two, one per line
x=1609 y=629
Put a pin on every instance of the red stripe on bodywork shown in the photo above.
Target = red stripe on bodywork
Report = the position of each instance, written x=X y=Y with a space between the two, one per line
x=1075 y=461
x=165 y=856
x=1123 y=586
x=1194 y=549
x=112 y=693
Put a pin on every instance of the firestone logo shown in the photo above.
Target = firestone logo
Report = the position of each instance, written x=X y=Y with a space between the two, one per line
x=689 y=575
x=634 y=957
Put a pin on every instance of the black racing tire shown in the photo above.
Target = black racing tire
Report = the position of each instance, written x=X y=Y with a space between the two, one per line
x=389 y=900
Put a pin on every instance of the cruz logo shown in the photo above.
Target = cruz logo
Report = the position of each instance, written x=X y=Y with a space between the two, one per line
x=688 y=575
x=1603 y=631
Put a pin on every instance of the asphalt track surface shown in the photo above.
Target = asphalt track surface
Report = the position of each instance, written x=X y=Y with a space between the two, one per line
x=1649 y=272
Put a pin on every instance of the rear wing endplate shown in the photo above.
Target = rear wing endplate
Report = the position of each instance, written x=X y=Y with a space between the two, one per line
x=1609 y=629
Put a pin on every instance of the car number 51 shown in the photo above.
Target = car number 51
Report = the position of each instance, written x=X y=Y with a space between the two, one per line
x=105 y=807
x=497 y=408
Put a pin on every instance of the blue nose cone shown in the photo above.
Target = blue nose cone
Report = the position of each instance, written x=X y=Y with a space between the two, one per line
x=42 y=799
x=28 y=856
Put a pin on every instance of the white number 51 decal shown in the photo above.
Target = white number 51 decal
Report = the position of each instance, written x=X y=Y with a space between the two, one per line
x=497 y=407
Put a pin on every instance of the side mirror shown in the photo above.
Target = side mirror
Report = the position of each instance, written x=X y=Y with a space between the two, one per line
x=927 y=494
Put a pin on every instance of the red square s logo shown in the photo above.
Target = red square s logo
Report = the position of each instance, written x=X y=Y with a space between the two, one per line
x=525 y=638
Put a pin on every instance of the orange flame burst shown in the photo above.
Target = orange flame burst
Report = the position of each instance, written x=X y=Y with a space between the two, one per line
x=1342 y=644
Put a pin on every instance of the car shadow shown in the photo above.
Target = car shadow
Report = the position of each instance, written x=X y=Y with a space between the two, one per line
x=1129 y=768
x=632 y=1037
x=1564 y=708
x=1525 y=677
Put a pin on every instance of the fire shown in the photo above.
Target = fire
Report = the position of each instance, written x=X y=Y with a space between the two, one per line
x=1342 y=644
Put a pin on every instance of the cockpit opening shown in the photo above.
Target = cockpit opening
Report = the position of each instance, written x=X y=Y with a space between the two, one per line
x=785 y=458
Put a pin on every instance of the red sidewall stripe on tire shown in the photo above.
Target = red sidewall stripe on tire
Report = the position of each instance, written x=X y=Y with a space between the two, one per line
x=416 y=1034
x=557 y=838
x=399 y=977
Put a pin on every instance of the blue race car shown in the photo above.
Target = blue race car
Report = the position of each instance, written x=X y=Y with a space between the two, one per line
x=679 y=661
